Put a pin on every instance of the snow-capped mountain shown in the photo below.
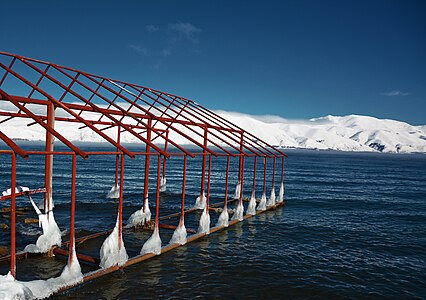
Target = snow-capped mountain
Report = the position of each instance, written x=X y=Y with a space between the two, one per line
x=346 y=133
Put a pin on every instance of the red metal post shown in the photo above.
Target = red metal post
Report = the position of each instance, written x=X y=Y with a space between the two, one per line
x=254 y=175
x=117 y=157
x=147 y=161
x=157 y=200
x=13 y=218
x=242 y=178
x=182 y=212
x=203 y=166
x=73 y=190
x=264 y=175
x=227 y=180
x=120 y=203
x=240 y=165
x=49 y=157
x=273 y=172
x=165 y=150
x=208 y=183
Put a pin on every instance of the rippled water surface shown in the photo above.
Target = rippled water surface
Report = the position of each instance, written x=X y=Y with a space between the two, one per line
x=354 y=226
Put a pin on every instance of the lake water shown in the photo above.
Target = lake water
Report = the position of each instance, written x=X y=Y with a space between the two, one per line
x=354 y=226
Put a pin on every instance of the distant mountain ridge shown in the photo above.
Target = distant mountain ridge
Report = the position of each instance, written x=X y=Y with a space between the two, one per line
x=344 y=133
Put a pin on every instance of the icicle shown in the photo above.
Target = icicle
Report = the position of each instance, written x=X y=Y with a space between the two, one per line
x=13 y=289
x=163 y=184
x=251 y=209
x=239 y=212
x=237 y=190
x=204 y=226
x=271 y=200
x=223 y=218
x=51 y=235
x=179 y=235
x=139 y=217
x=153 y=244
x=262 y=203
x=114 y=193
x=281 y=194
x=200 y=202
x=110 y=253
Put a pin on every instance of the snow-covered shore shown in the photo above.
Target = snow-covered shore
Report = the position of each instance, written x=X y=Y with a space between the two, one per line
x=344 y=133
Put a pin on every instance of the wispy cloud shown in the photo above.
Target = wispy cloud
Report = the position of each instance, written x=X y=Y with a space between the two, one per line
x=394 y=93
x=139 y=50
x=186 y=30
x=152 y=28
x=168 y=42
x=167 y=52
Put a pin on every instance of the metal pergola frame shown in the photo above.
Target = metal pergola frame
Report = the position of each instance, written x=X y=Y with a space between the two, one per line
x=100 y=103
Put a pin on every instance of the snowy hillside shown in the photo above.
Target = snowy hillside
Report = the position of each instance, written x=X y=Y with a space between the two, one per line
x=347 y=133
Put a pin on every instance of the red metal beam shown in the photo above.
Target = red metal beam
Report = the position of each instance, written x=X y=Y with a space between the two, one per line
x=48 y=128
x=18 y=150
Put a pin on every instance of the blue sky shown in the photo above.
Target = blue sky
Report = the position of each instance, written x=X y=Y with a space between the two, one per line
x=295 y=59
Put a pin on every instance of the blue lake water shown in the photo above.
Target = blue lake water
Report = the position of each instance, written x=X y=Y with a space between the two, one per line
x=354 y=226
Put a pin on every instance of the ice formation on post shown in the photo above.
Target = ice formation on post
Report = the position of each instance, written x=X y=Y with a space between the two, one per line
x=262 y=203
x=251 y=209
x=237 y=190
x=41 y=289
x=223 y=218
x=13 y=289
x=271 y=200
x=281 y=194
x=163 y=184
x=114 y=193
x=153 y=244
x=18 y=189
x=200 y=202
x=139 y=217
x=239 y=212
x=72 y=272
x=179 y=235
x=204 y=226
x=51 y=234
x=111 y=252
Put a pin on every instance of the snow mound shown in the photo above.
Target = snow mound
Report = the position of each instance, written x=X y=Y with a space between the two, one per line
x=163 y=184
x=13 y=289
x=153 y=244
x=223 y=218
x=281 y=193
x=179 y=235
x=271 y=200
x=114 y=193
x=204 y=226
x=200 y=202
x=251 y=209
x=41 y=289
x=262 y=203
x=139 y=217
x=239 y=212
x=51 y=235
x=111 y=252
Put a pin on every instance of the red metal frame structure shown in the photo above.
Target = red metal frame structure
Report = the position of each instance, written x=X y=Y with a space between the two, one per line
x=43 y=94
